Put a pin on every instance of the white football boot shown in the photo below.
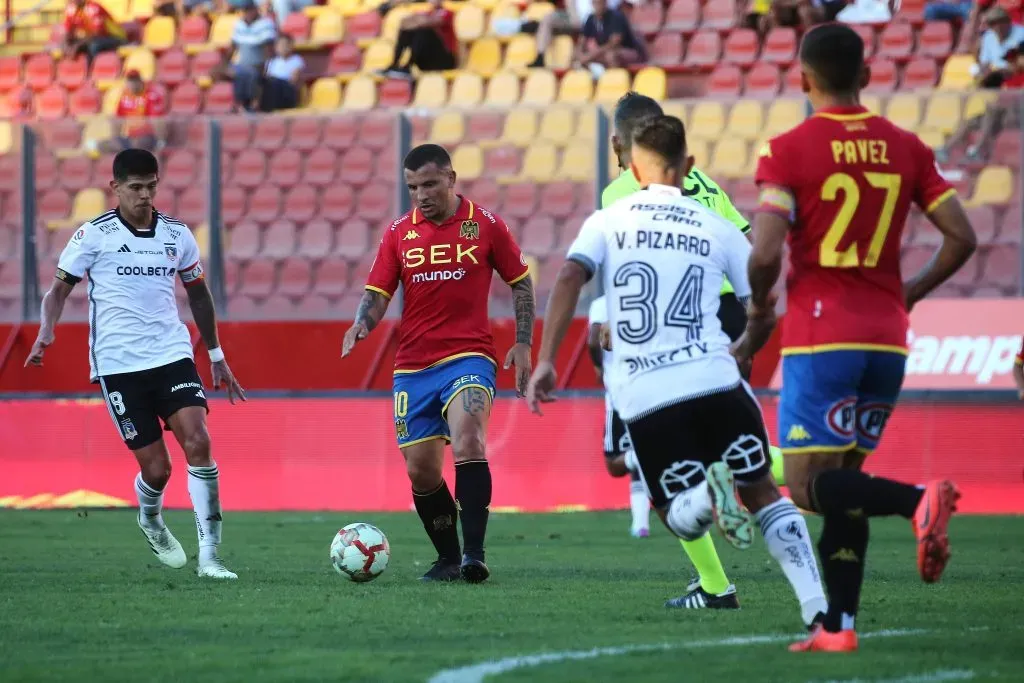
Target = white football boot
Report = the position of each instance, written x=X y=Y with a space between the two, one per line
x=213 y=568
x=164 y=545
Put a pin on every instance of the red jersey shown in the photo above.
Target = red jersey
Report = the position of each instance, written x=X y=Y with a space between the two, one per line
x=446 y=29
x=1015 y=8
x=845 y=179
x=445 y=272
x=92 y=20
x=137 y=108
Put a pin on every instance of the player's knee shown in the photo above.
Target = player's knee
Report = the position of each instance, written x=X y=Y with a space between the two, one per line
x=689 y=514
x=424 y=475
x=197 y=448
x=469 y=446
x=156 y=472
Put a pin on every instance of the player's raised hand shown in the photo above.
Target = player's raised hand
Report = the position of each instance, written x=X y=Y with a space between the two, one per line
x=541 y=386
x=35 y=356
x=519 y=355
x=222 y=376
x=354 y=334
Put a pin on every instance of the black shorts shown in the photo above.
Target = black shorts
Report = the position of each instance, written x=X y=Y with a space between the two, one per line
x=676 y=443
x=138 y=401
x=733 y=316
x=616 y=438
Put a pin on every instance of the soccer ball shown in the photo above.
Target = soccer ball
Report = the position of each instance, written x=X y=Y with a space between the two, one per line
x=361 y=552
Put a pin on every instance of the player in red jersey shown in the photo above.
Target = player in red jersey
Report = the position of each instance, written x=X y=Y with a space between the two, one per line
x=443 y=253
x=840 y=186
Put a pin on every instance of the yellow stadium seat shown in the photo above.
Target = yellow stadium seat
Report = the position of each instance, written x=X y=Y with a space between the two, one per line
x=537 y=11
x=389 y=28
x=651 y=81
x=577 y=86
x=520 y=129
x=540 y=87
x=222 y=29
x=956 y=75
x=904 y=111
x=99 y=128
x=6 y=137
x=88 y=203
x=469 y=160
x=378 y=55
x=360 y=94
x=467 y=90
x=449 y=127
x=746 y=119
x=328 y=28
x=586 y=125
x=118 y=10
x=993 y=186
x=978 y=102
x=484 y=57
x=943 y=113
x=111 y=97
x=698 y=148
x=577 y=162
x=707 y=119
x=872 y=103
x=470 y=21
x=559 y=53
x=613 y=84
x=540 y=162
x=730 y=158
x=431 y=91
x=325 y=95
x=784 y=115
x=487 y=4
x=202 y=235
x=159 y=33
x=142 y=9
x=347 y=8
x=676 y=109
x=521 y=51
x=502 y=89
x=932 y=138
x=557 y=125
x=141 y=60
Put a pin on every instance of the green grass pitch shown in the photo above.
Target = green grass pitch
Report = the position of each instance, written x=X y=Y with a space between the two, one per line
x=82 y=599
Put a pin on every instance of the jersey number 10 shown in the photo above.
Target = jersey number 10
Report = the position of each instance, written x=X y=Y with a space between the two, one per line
x=829 y=254
x=683 y=310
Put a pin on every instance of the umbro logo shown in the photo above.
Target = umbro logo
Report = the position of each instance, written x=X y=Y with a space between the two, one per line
x=411 y=235
x=124 y=249
x=797 y=433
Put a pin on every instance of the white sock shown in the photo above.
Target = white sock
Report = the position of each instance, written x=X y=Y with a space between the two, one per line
x=789 y=542
x=204 y=489
x=151 y=502
x=639 y=505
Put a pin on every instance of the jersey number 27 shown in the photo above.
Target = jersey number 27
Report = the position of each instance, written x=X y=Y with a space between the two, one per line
x=683 y=310
x=829 y=255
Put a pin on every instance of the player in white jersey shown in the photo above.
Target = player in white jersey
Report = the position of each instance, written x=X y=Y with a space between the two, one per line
x=696 y=427
x=617 y=446
x=140 y=352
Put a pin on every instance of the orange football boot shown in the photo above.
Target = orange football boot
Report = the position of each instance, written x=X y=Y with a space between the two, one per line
x=931 y=521
x=821 y=640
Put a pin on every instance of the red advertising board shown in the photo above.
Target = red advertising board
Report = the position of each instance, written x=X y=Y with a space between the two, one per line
x=340 y=454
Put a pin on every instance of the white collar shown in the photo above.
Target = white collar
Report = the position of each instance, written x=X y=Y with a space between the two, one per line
x=664 y=189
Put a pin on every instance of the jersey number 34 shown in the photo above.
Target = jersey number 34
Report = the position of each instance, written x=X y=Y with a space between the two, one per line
x=829 y=254
x=684 y=309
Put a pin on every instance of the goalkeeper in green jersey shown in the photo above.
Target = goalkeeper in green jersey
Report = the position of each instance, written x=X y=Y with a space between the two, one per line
x=712 y=588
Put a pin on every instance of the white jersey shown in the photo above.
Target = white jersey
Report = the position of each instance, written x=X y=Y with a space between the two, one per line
x=133 y=316
x=664 y=257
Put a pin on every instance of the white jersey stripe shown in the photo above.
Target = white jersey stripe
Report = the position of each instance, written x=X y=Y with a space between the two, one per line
x=110 y=409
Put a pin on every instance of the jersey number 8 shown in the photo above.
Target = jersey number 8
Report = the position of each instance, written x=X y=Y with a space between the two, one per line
x=683 y=310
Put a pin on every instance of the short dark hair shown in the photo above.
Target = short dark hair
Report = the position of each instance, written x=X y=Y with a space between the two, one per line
x=632 y=110
x=134 y=162
x=664 y=136
x=420 y=156
x=835 y=53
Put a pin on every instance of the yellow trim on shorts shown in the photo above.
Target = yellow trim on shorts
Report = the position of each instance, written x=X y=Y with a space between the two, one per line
x=468 y=354
x=444 y=410
x=378 y=290
x=865 y=451
x=425 y=439
x=841 y=346
x=951 y=192
x=802 y=450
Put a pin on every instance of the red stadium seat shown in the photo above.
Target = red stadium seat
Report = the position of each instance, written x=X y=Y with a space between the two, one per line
x=279 y=240
x=935 y=40
x=46 y=170
x=912 y=11
x=39 y=71
x=295 y=277
x=64 y=134
x=232 y=204
x=193 y=30
x=332 y=277
x=314 y=307
x=75 y=173
x=741 y=47
x=647 y=19
x=780 y=47
x=10 y=73
x=297 y=25
x=106 y=67
x=345 y=58
x=265 y=203
x=920 y=73
x=558 y=199
x=269 y=133
x=883 y=76
x=71 y=73
x=867 y=34
x=896 y=42
x=485 y=193
x=203 y=63
x=186 y=100
x=704 y=50
x=365 y=25
x=220 y=98
x=257 y=279
x=301 y=203
x=983 y=220
x=484 y=126
x=1006 y=150
x=54 y=205
x=791 y=80
x=538 y=237
x=352 y=240
x=394 y=93
x=546 y=275
x=357 y=166
x=340 y=132
x=316 y=240
x=285 y=167
x=235 y=133
x=969 y=273
x=249 y=169
x=502 y=161
x=667 y=50
x=1002 y=266
x=52 y=103
x=719 y=15
x=321 y=167
x=243 y=307
x=361 y=272
x=172 y=67
x=374 y=203
x=337 y=203
x=303 y=133
x=180 y=169
x=726 y=80
x=86 y=100
x=376 y=130
x=243 y=241
x=763 y=80
x=520 y=200
x=683 y=16
x=10 y=173
x=191 y=206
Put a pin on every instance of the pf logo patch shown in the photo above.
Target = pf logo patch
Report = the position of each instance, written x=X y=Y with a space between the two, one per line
x=841 y=417
x=871 y=419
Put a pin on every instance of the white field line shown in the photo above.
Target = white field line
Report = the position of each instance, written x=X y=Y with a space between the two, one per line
x=931 y=677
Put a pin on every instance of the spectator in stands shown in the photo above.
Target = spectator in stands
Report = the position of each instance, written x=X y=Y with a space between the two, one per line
x=567 y=19
x=608 y=39
x=253 y=42
x=282 y=8
x=1001 y=38
x=284 y=72
x=89 y=28
x=140 y=103
x=948 y=11
x=430 y=38
x=763 y=15
x=867 y=12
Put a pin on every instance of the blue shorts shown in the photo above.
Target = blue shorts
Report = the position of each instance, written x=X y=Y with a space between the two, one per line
x=422 y=397
x=837 y=400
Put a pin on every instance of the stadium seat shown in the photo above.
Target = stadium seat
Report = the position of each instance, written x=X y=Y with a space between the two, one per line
x=577 y=87
x=935 y=40
x=725 y=80
x=577 y=162
x=883 y=77
x=71 y=73
x=39 y=72
x=159 y=33
x=325 y=95
x=337 y=204
x=932 y=138
x=431 y=91
x=62 y=135
x=540 y=162
x=741 y=47
x=683 y=16
x=707 y=120
x=468 y=160
x=233 y=204
x=374 y=203
x=363 y=26
x=340 y=132
x=540 y=88
x=613 y=84
x=920 y=74
x=352 y=241
x=378 y=55
x=74 y=173
x=956 y=74
x=1001 y=266
x=360 y=94
x=520 y=129
x=269 y=133
x=647 y=18
x=345 y=58
x=896 y=42
x=704 y=51
x=51 y=103
x=911 y=11
x=178 y=171
x=172 y=68
x=977 y=103
x=220 y=98
x=942 y=113
x=300 y=204
x=332 y=277
x=779 y=47
x=784 y=114
x=557 y=125
x=484 y=57
x=142 y=10
x=202 y=66
x=470 y=22
x=904 y=111
x=483 y=125
x=141 y=60
x=394 y=93
x=10 y=72
x=559 y=53
x=284 y=167
x=85 y=101
x=249 y=169
x=186 y=100
x=538 y=236
x=193 y=30
x=520 y=52
x=321 y=168
x=666 y=50
x=520 y=201
x=265 y=203
x=867 y=34
x=448 y=128
x=295 y=277
x=719 y=15
x=995 y=185
x=650 y=81
x=746 y=119
x=328 y=29
x=316 y=238
x=502 y=89
x=54 y=205
x=467 y=90
x=279 y=240
x=304 y=133
x=730 y=158
x=376 y=131
x=763 y=80
x=791 y=84
x=357 y=165
x=88 y=203
x=297 y=25
x=257 y=279
x=235 y=132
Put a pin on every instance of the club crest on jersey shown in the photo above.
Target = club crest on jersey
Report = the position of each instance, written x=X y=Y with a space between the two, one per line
x=470 y=230
x=401 y=428
x=841 y=417
x=171 y=251
x=871 y=419
x=129 y=430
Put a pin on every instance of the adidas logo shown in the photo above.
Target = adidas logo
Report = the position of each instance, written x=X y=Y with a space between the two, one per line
x=124 y=249
x=797 y=433
x=411 y=235
x=200 y=394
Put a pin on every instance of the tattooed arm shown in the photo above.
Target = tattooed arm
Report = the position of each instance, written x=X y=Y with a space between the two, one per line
x=519 y=354
x=371 y=309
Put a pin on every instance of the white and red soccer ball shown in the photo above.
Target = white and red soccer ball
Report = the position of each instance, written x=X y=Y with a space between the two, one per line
x=361 y=552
